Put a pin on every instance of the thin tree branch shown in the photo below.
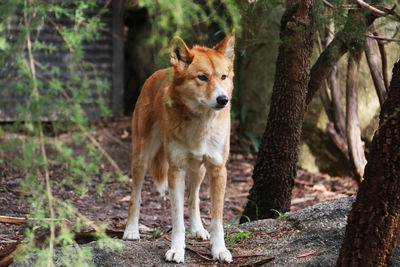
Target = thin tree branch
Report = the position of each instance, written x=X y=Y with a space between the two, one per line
x=377 y=11
x=382 y=38
x=373 y=9
x=327 y=3
x=108 y=157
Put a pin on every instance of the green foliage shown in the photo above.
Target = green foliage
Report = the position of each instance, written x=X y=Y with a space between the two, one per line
x=155 y=234
x=48 y=95
x=281 y=215
x=187 y=19
x=234 y=234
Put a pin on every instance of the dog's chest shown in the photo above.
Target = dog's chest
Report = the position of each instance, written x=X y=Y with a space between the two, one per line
x=199 y=143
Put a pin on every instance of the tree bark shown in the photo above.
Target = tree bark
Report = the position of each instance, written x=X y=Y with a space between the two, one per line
x=373 y=229
x=275 y=168
x=354 y=141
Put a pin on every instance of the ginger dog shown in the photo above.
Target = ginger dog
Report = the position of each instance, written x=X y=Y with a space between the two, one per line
x=181 y=124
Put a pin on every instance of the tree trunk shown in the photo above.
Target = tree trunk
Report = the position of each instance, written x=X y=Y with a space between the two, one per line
x=354 y=141
x=334 y=81
x=336 y=93
x=339 y=140
x=326 y=101
x=375 y=66
x=336 y=128
x=383 y=53
x=337 y=131
x=276 y=162
x=357 y=23
x=373 y=229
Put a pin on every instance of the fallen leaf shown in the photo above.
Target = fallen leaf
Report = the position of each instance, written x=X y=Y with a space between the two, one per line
x=125 y=134
x=125 y=198
x=144 y=228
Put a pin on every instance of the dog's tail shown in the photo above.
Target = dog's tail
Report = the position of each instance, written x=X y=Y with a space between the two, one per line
x=158 y=167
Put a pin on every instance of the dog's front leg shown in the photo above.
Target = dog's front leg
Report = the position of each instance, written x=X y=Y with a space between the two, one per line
x=176 y=185
x=196 y=176
x=217 y=186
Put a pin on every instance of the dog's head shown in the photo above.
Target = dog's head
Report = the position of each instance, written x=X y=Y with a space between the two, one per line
x=203 y=76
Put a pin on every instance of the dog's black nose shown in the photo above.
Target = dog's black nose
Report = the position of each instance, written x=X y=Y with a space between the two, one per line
x=222 y=100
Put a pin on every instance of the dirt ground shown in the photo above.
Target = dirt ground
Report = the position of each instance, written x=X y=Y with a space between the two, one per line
x=112 y=205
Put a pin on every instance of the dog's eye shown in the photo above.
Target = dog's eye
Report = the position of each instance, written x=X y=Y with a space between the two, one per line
x=202 y=78
x=223 y=77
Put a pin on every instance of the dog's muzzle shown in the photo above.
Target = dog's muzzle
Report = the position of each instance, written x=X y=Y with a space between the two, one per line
x=222 y=100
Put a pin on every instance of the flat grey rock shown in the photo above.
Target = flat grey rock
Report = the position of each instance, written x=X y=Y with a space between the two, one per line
x=318 y=229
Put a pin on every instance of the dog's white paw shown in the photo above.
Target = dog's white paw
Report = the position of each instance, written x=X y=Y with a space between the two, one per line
x=131 y=235
x=200 y=233
x=175 y=255
x=223 y=255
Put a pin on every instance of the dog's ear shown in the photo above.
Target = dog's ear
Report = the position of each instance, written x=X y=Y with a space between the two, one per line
x=227 y=47
x=179 y=54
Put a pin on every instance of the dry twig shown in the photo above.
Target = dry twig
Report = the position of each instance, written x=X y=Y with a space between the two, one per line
x=306 y=254
x=258 y=262
x=201 y=255
x=13 y=220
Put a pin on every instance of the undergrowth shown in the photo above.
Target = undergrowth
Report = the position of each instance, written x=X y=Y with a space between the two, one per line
x=281 y=215
x=48 y=96
x=234 y=234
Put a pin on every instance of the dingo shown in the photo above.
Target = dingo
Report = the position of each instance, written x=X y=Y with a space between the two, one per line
x=181 y=123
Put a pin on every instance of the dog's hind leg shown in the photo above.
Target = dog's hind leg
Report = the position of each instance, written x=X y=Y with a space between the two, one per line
x=196 y=227
x=142 y=150
x=158 y=167
x=139 y=168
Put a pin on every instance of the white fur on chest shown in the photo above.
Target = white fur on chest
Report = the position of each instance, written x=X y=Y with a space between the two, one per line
x=199 y=143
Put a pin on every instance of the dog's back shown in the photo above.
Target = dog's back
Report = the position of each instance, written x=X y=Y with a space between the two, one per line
x=146 y=132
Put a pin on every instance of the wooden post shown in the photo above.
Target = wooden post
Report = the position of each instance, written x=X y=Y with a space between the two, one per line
x=117 y=92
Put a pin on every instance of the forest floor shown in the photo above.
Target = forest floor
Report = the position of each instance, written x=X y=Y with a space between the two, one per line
x=111 y=207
